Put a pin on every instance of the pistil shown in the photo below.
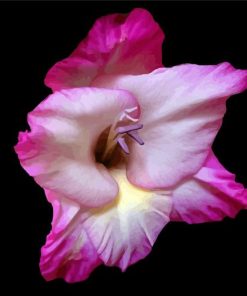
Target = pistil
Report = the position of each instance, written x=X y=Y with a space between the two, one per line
x=117 y=134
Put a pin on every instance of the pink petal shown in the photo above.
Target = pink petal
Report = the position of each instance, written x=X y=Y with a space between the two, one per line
x=68 y=252
x=117 y=43
x=210 y=195
x=120 y=233
x=182 y=110
x=59 y=150
x=125 y=231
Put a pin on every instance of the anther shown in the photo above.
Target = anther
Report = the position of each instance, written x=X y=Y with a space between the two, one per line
x=128 y=128
x=131 y=131
x=123 y=145
x=135 y=136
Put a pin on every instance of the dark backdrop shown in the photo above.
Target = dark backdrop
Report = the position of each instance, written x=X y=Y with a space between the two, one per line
x=189 y=257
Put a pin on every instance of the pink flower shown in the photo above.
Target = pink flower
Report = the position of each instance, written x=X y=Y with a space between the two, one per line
x=123 y=146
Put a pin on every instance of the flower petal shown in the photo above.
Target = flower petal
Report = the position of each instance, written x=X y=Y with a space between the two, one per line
x=59 y=150
x=210 y=195
x=182 y=110
x=125 y=231
x=117 y=43
x=68 y=252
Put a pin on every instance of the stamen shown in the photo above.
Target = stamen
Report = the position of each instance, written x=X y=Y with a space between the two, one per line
x=123 y=145
x=135 y=136
x=116 y=135
x=132 y=131
x=128 y=128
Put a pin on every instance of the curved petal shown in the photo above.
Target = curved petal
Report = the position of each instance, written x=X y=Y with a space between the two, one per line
x=68 y=252
x=120 y=233
x=210 y=195
x=124 y=232
x=117 y=43
x=182 y=110
x=59 y=150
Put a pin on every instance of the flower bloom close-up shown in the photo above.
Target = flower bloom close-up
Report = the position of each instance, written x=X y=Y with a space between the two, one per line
x=123 y=145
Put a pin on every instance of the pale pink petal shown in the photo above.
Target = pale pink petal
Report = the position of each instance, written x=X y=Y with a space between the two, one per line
x=117 y=43
x=124 y=232
x=68 y=252
x=182 y=109
x=120 y=233
x=210 y=195
x=59 y=150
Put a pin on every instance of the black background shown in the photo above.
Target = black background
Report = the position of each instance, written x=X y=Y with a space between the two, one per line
x=191 y=258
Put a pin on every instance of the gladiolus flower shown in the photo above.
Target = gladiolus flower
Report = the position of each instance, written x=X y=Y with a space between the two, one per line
x=123 y=146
